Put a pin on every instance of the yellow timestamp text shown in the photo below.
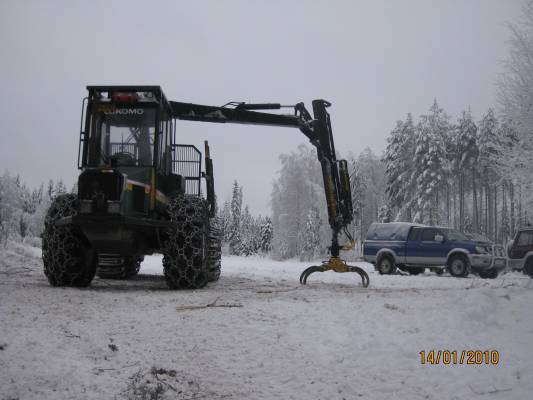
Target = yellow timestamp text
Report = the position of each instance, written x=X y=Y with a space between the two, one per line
x=454 y=357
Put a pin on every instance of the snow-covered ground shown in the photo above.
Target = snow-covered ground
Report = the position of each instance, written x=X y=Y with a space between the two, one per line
x=331 y=339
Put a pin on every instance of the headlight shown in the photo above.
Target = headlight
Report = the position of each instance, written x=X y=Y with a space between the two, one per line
x=481 y=250
x=113 y=207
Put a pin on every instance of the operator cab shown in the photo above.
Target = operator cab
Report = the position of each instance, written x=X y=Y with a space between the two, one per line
x=128 y=153
x=121 y=128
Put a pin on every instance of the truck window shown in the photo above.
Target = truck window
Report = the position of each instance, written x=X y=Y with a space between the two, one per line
x=525 y=239
x=413 y=234
x=428 y=235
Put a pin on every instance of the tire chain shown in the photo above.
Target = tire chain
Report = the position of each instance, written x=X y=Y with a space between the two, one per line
x=215 y=251
x=63 y=252
x=185 y=249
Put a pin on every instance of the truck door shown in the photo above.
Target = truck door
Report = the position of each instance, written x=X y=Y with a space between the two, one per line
x=411 y=246
x=522 y=245
x=432 y=250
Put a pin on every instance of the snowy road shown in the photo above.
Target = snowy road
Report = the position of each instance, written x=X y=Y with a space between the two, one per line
x=331 y=339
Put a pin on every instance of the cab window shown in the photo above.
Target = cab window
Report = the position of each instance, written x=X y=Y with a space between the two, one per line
x=413 y=235
x=431 y=235
x=125 y=134
x=525 y=239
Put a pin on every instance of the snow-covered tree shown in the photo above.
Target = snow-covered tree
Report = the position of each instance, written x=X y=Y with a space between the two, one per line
x=311 y=236
x=297 y=189
x=429 y=171
x=516 y=90
x=266 y=235
x=247 y=240
x=385 y=213
x=398 y=161
x=60 y=188
x=225 y=218
x=235 y=226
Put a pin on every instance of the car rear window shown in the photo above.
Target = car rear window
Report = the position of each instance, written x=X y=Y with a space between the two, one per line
x=388 y=231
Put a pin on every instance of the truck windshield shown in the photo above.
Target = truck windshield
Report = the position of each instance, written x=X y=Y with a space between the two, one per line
x=454 y=235
x=123 y=136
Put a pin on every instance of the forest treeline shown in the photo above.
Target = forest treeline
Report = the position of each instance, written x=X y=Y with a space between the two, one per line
x=23 y=209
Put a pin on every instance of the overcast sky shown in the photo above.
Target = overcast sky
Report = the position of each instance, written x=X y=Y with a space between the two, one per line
x=374 y=60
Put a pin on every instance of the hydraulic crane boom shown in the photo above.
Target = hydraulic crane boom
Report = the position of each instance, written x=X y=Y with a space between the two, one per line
x=318 y=130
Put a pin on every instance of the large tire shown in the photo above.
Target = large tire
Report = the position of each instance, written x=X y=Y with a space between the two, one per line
x=489 y=274
x=133 y=266
x=528 y=267
x=215 y=252
x=67 y=257
x=386 y=265
x=459 y=266
x=185 y=247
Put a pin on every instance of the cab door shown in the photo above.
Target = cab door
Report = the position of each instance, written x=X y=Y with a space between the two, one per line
x=432 y=248
x=411 y=246
x=522 y=245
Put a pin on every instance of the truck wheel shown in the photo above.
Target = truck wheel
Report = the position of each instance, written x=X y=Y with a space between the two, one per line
x=458 y=266
x=528 y=267
x=67 y=258
x=386 y=265
x=488 y=274
x=185 y=248
x=215 y=252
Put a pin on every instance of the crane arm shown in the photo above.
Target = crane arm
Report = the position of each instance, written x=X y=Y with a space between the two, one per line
x=317 y=129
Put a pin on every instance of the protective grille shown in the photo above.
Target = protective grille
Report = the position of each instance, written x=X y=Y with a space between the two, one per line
x=187 y=162
x=92 y=182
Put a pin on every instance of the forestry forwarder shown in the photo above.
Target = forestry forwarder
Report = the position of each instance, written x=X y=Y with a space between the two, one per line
x=139 y=192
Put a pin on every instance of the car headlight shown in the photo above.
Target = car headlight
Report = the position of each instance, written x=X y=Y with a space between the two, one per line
x=481 y=250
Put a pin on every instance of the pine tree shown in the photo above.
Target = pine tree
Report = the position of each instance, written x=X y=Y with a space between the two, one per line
x=489 y=145
x=60 y=188
x=465 y=166
x=311 y=236
x=429 y=164
x=266 y=235
x=50 y=189
x=385 y=213
x=398 y=160
x=246 y=247
x=235 y=227
x=225 y=219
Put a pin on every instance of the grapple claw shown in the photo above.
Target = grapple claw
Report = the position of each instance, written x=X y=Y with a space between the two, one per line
x=362 y=273
x=337 y=265
x=309 y=271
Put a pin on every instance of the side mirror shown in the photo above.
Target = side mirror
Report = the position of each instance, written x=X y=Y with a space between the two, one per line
x=439 y=238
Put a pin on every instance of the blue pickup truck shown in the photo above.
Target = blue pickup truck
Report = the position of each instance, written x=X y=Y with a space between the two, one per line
x=413 y=247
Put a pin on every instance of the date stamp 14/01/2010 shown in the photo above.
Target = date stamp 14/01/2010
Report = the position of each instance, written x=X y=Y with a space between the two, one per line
x=454 y=357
